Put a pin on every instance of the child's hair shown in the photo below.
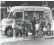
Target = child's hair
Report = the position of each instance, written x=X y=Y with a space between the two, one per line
x=19 y=24
x=37 y=22
x=24 y=21
x=45 y=26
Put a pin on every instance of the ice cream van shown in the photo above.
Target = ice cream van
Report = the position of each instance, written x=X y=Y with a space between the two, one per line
x=26 y=13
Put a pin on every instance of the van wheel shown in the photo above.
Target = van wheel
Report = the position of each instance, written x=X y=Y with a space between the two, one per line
x=9 y=32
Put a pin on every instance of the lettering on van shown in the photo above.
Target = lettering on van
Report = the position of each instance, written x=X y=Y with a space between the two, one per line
x=31 y=8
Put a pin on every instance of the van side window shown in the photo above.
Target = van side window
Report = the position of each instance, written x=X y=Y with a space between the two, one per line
x=19 y=15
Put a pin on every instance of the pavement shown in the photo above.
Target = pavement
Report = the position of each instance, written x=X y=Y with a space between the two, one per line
x=27 y=41
x=10 y=39
x=14 y=39
x=36 y=41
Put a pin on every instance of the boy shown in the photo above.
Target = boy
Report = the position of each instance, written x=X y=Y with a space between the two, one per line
x=45 y=30
x=20 y=30
x=37 y=26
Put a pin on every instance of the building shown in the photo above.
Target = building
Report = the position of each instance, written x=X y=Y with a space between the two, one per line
x=3 y=9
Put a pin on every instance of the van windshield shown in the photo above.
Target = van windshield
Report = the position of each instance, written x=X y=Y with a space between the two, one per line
x=10 y=15
x=17 y=15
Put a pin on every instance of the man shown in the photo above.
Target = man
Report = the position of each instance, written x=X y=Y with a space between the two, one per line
x=24 y=29
x=42 y=24
x=27 y=30
x=33 y=24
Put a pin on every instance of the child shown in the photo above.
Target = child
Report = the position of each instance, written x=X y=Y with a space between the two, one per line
x=45 y=30
x=37 y=26
x=24 y=29
x=20 y=30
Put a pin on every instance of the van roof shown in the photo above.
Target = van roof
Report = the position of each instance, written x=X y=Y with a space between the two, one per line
x=28 y=7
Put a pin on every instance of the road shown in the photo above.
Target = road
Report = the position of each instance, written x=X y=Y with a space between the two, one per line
x=2 y=35
x=35 y=41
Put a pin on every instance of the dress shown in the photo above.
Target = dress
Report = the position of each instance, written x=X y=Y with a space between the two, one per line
x=52 y=25
x=37 y=26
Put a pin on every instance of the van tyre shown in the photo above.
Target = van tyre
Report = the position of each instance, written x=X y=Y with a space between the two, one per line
x=9 y=32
